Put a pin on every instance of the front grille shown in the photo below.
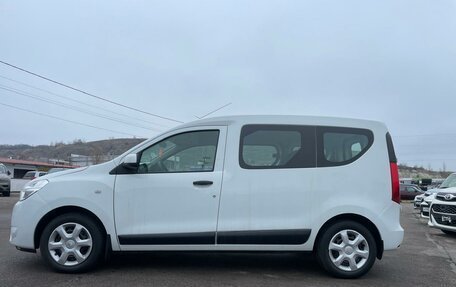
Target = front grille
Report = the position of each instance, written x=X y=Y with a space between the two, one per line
x=443 y=208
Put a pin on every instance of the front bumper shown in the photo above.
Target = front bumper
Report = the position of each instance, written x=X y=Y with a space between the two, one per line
x=5 y=186
x=443 y=220
x=24 y=220
x=424 y=210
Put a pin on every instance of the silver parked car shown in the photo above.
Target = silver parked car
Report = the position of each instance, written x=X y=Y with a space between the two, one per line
x=5 y=181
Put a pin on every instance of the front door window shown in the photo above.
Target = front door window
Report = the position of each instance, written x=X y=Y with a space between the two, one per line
x=185 y=152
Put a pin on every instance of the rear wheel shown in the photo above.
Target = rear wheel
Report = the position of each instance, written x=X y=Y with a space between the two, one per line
x=347 y=249
x=449 y=232
x=72 y=243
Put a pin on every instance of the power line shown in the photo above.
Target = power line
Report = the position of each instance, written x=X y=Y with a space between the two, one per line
x=71 y=107
x=427 y=160
x=86 y=93
x=79 y=102
x=426 y=135
x=65 y=120
x=218 y=109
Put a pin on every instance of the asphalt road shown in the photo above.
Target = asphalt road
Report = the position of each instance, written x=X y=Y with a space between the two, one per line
x=426 y=258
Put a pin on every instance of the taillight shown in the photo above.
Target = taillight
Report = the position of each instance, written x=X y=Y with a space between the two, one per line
x=395 y=195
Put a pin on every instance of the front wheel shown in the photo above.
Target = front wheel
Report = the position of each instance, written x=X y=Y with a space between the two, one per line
x=347 y=249
x=72 y=243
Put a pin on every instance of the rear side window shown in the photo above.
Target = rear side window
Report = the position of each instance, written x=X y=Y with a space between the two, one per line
x=277 y=146
x=340 y=146
x=391 y=153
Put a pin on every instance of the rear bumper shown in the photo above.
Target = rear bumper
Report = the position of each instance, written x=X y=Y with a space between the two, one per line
x=391 y=230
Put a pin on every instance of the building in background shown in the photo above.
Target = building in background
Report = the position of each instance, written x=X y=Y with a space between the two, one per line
x=19 y=167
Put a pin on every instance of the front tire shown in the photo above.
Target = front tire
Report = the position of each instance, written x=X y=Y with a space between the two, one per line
x=72 y=243
x=346 y=249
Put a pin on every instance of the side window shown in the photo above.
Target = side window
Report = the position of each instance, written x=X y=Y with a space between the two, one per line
x=277 y=146
x=340 y=146
x=185 y=152
x=411 y=189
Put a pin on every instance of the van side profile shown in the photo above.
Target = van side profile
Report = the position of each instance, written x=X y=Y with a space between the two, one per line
x=239 y=183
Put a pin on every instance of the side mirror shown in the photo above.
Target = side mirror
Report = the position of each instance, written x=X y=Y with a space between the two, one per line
x=8 y=173
x=130 y=161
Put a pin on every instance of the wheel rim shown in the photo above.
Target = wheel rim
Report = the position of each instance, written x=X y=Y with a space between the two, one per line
x=70 y=244
x=348 y=250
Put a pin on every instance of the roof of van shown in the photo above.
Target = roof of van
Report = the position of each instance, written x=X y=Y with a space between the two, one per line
x=285 y=119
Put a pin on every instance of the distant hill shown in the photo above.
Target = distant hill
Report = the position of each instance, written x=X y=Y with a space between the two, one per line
x=62 y=151
x=112 y=147
x=420 y=172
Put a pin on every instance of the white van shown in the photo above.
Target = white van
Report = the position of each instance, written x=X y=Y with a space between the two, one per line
x=241 y=183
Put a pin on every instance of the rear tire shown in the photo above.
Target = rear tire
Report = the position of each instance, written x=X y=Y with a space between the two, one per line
x=449 y=232
x=72 y=243
x=346 y=249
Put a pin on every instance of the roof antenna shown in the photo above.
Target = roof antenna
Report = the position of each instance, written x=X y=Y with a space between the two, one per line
x=216 y=110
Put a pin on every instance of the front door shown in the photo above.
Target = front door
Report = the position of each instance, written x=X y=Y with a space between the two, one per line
x=172 y=199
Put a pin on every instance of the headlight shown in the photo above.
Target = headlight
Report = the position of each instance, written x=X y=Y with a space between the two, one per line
x=32 y=187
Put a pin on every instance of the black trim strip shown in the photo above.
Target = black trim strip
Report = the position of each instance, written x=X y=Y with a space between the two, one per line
x=169 y=239
x=266 y=237
x=254 y=237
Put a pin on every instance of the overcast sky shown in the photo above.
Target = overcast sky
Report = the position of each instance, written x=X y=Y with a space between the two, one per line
x=391 y=60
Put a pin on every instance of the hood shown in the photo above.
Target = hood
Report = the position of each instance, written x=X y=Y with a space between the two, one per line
x=447 y=190
x=65 y=172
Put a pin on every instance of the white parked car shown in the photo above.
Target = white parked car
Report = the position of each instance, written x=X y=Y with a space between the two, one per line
x=443 y=207
x=241 y=183
x=425 y=206
x=419 y=199
x=33 y=174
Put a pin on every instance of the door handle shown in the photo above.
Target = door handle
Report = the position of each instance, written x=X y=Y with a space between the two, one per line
x=203 y=182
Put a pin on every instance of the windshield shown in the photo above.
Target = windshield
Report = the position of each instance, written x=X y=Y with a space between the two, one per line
x=2 y=169
x=29 y=175
x=449 y=182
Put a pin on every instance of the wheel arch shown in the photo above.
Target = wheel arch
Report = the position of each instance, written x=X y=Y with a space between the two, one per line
x=357 y=218
x=59 y=211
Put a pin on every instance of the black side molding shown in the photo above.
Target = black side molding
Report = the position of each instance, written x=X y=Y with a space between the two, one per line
x=253 y=237
x=169 y=239
x=264 y=237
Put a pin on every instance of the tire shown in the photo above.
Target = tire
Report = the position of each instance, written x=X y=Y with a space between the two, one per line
x=65 y=251
x=335 y=258
x=449 y=232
